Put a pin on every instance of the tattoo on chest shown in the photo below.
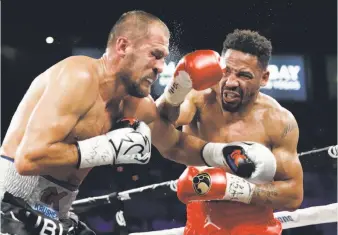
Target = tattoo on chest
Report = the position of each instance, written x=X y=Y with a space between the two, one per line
x=288 y=128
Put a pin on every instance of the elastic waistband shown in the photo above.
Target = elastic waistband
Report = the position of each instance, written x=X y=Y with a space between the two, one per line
x=66 y=185
x=7 y=158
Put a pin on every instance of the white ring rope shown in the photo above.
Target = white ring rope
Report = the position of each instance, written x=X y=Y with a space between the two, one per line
x=333 y=151
x=125 y=194
x=298 y=218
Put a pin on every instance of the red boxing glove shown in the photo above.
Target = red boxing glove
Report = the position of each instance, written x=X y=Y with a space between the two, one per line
x=205 y=184
x=200 y=70
x=203 y=68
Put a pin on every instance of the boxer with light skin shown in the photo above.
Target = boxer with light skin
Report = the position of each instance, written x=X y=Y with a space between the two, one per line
x=81 y=113
x=235 y=110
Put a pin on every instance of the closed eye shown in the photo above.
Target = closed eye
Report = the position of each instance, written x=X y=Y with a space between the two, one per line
x=245 y=74
x=157 y=54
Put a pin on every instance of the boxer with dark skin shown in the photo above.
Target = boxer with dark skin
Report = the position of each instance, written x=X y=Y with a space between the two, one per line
x=235 y=110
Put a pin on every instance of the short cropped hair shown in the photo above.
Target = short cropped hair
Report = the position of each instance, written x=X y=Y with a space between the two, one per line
x=133 y=24
x=250 y=42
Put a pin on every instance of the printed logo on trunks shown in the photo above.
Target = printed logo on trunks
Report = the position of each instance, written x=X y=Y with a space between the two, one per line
x=50 y=196
x=202 y=183
x=49 y=204
x=45 y=210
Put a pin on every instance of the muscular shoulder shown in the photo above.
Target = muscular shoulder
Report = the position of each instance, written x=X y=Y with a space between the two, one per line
x=202 y=98
x=279 y=122
x=143 y=109
x=76 y=68
x=78 y=73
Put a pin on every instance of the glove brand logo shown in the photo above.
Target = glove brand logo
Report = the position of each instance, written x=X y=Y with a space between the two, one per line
x=173 y=88
x=142 y=158
x=202 y=183
x=237 y=156
x=127 y=149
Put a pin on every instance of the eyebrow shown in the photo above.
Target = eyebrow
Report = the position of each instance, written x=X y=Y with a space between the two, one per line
x=160 y=53
x=240 y=71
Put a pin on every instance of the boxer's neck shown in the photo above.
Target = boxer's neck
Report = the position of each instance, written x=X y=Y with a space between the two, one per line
x=111 y=88
x=242 y=112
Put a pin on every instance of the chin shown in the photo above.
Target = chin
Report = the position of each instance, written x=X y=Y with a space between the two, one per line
x=138 y=91
x=231 y=108
x=138 y=95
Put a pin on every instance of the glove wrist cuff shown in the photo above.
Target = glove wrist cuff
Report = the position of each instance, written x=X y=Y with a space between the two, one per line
x=238 y=189
x=95 y=151
x=177 y=89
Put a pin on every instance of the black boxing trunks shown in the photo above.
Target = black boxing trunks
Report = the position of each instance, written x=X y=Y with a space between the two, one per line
x=36 y=204
x=18 y=218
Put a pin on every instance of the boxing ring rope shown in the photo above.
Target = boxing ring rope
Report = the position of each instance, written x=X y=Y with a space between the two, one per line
x=298 y=218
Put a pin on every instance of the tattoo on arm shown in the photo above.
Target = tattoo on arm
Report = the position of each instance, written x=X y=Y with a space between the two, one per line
x=288 y=128
x=265 y=193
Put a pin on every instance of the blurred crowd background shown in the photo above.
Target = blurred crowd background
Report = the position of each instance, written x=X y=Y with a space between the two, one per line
x=304 y=38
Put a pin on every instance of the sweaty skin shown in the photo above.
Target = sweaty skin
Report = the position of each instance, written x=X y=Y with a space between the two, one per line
x=79 y=98
x=260 y=119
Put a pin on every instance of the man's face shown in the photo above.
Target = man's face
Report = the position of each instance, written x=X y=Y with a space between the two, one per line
x=144 y=61
x=241 y=81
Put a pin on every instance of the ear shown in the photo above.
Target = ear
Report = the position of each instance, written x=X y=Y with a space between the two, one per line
x=265 y=78
x=121 y=46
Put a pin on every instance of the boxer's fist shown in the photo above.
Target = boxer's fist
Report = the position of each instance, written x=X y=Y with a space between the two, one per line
x=129 y=142
x=250 y=160
x=208 y=183
x=200 y=70
x=201 y=67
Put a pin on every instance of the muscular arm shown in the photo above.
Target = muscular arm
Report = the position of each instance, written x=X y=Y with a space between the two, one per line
x=66 y=98
x=286 y=193
x=176 y=145
x=171 y=143
x=178 y=115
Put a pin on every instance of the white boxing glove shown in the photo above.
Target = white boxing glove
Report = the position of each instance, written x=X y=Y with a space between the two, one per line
x=247 y=159
x=128 y=143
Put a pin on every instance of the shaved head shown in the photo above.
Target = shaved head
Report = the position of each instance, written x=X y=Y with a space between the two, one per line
x=134 y=25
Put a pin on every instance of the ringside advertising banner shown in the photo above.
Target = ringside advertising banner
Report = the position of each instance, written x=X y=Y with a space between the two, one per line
x=287 y=78
x=287 y=75
x=331 y=75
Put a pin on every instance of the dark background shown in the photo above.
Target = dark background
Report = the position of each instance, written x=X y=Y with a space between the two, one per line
x=298 y=27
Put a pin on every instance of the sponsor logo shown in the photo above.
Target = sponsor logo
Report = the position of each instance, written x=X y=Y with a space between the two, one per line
x=45 y=210
x=285 y=219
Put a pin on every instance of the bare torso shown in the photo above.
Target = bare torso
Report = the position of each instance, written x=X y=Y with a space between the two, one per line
x=98 y=120
x=211 y=124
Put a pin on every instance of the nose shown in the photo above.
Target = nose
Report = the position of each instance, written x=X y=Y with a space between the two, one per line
x=231 y=81
x=159 y=66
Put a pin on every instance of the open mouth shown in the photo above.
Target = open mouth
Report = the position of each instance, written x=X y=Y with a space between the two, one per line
x=231 y=97
x=150 y=80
